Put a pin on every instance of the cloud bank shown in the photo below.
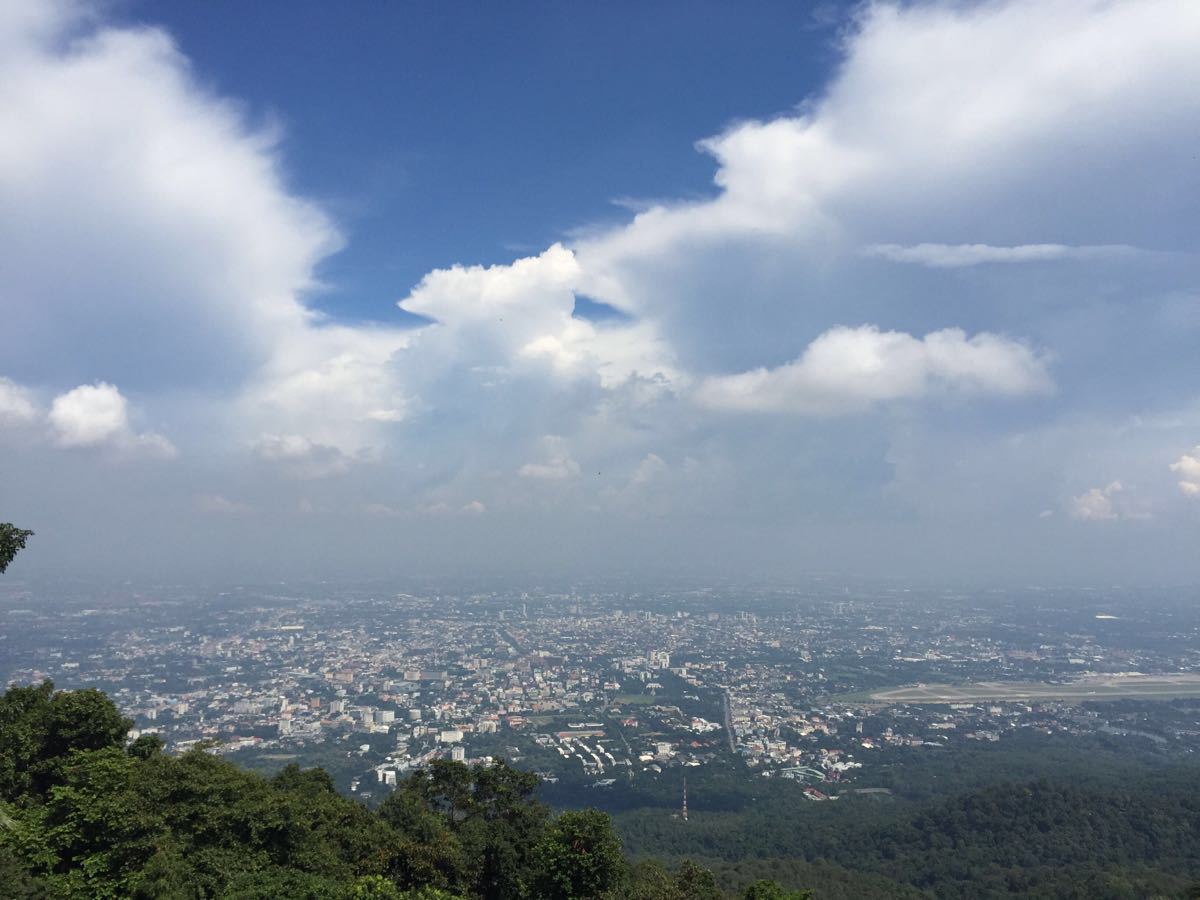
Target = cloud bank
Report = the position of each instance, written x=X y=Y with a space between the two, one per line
x=848 y=369
x=1187 y=468
x=154 y=249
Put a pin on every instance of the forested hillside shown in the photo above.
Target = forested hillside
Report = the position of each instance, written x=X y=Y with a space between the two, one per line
x=1041 y=838
x=82 y=815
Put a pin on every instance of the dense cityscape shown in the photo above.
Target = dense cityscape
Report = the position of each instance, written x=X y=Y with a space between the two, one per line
x=600 y=688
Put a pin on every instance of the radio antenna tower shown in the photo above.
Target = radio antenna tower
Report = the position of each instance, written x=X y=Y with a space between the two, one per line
x=684 y=815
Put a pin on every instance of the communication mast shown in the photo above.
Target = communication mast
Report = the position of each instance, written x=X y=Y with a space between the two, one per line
x=684 y=813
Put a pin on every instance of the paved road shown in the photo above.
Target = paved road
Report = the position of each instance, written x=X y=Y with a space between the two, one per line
x=728 y=716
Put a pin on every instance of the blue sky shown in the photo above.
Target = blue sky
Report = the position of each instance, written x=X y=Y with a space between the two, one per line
x=902 y=289
x=445 y=133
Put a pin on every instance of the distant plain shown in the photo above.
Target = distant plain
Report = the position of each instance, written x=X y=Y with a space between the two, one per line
x=1091 y=687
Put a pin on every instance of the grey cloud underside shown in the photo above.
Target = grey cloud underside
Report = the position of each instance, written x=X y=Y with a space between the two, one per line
x=952 y=295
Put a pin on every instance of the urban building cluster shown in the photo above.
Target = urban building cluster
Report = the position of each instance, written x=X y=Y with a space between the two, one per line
x=599 y=685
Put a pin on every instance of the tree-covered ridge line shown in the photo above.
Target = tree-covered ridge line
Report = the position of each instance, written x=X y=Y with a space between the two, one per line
x=1049 y=837
x=84 y=815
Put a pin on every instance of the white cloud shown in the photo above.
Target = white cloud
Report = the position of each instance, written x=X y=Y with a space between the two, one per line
x=928 y=129
x=17 y=406
x=97 y=415
x=300 y=456
x=557 y=469
x=435 y=509
x=650 y=469
x=1187 y=467
x=557 y=464
x=191 y=263
x=517 y=316
x=335 y=383
x=848 y=369
x=89 y=414
x=1096 y=504
x=188 y=257
x=952 y=256
x=1107 y=504
x=221 y=505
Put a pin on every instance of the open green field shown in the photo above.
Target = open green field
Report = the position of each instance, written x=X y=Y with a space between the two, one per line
x=1094 y=687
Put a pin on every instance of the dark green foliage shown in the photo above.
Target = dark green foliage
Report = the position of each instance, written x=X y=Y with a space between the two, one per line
x=474 y=828
x=579 y=858
x=82 y=815
x=374 y=887
x=1137 y=837
x=428 y=893
x=275 y=882
x=650 y=880
x=12 y=542
x=769 y=890
x=696 y=883
x=164 y=877
x=827 y=880
x=310 y=782
x=145 y=746
x=16 y=880
x=39 y=728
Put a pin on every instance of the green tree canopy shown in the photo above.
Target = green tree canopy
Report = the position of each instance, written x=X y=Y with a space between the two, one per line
x=579 y=858
x=12 y=542
x=770 y=890
x=40 y=727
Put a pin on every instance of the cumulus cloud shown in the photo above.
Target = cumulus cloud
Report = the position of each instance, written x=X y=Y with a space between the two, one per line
x=848 y=369
x=650 y=469
x=518 y=316
x=17 y=406
x=1187 y=467
x=189 y=257
x=927 y=129
x=1107 y=504
x=1096 y=504
x=557 y=464
x=300 y=456
x=337 y=384
x=192 y=262
x=953 y=256
x=97 y=415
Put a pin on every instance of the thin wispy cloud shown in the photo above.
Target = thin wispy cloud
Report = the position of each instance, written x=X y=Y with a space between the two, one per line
x=953 y=256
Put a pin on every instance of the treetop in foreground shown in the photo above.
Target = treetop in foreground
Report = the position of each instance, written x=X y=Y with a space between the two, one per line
x=12 y=542
x=83 y=814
